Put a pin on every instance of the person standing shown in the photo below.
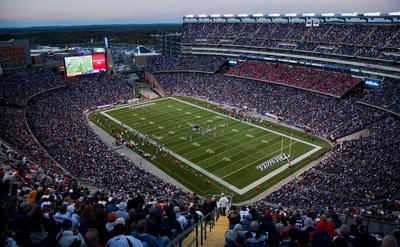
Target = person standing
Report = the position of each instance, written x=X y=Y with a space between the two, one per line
x=222 y=203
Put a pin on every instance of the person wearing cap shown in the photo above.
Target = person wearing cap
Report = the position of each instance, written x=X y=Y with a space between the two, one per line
x=111 y=222
x=223 y=201
x=69 y=235
x=151 y=241
x=121 y=240
x=32 y=196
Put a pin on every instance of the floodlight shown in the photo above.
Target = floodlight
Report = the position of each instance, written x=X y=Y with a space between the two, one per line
x=189 y=16
x=228 y=15
x=243 y=15
x=202 y=16
x=309 y=15
x=328 y=14
x=291 y=15
x=215 y=15
x=372 y=14
x=257 y=15
x=274 y=15
x=394 y=13
x=349 y=14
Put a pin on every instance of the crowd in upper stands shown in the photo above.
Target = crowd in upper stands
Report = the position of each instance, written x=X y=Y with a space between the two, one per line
x=340 y=37
x=386 y=96
x=15 y=132
x=324 y=81
x=185 y=63
x=17 y=87
x=321 y=115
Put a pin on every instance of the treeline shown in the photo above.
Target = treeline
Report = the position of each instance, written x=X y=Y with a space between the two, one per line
x=129 y=34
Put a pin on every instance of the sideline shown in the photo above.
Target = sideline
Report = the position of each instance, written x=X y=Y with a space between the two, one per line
x=212 y=176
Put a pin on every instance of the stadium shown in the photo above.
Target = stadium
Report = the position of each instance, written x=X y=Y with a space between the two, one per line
x=297 y=114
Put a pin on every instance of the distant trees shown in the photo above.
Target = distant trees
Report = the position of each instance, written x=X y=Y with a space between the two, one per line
x=128 y=34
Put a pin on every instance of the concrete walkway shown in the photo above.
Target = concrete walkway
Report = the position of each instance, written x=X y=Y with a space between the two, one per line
x=215 y=238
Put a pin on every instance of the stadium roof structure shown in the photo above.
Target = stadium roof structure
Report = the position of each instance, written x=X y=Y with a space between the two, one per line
x=392 y=16
x=142 y=51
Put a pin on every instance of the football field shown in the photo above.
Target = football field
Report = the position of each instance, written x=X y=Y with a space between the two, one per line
x=237 y=154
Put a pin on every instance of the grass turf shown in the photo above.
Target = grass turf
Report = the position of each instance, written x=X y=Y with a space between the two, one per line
x=227 y=155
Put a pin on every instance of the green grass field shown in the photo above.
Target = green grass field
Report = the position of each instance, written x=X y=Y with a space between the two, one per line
x=229 y=155
x=78 y=65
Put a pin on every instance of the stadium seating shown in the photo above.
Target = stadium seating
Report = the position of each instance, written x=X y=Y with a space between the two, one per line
x=354 y=174
x=321 y=115
x=385 y=96
x=185 y=63
x=324 y=81
x=344 y=177
x=372 y=39
x=17 y=87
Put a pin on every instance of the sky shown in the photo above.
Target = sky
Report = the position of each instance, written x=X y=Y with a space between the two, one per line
x=23 y=13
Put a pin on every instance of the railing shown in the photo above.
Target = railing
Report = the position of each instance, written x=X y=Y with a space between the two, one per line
x=373 y=226
x=202 y=226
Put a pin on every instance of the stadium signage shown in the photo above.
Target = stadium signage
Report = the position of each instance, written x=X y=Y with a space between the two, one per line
x=142 y=105
x=272 y=161
x=371 y=83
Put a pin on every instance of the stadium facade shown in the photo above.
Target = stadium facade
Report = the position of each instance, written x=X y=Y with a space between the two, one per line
x=365 y=45
x=18 y=53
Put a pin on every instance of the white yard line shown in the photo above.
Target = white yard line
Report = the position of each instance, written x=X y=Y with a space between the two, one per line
x=218 y=179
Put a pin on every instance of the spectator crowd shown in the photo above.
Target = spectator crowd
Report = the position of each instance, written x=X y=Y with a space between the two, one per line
x=323 y=81
x=315 y=113
x=185 y=63
x=386 y=96
x=352 y=39
x=52 y=148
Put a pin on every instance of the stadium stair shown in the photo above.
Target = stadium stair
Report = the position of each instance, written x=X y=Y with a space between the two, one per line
x=215 y=238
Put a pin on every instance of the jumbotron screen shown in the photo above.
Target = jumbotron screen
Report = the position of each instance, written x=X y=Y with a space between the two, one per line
x=84 y=65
